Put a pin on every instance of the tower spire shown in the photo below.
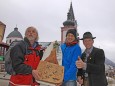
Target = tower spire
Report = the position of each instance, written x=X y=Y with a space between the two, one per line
x=70 y=15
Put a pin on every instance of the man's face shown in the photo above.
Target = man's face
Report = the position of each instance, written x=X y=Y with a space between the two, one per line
x=88 y=42
x=31 y=34
x=70 y=38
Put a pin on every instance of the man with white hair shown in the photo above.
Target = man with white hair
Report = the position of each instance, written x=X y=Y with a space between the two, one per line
x=26 y=56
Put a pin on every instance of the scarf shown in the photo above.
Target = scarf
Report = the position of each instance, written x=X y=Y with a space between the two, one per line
x=71 y=43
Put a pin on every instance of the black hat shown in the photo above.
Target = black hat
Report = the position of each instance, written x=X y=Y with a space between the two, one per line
x=87 y=35
x=72 y=31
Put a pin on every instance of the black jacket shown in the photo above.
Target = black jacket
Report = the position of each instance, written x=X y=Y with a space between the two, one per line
x=95 y=67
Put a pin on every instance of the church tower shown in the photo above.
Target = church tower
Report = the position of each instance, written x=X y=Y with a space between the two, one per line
x=14 y=36
x=70 y=23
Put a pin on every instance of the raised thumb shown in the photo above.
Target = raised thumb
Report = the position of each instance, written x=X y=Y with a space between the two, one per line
x=79 y=58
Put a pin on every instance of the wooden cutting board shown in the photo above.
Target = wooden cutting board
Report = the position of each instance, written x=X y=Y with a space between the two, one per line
x=50 y=72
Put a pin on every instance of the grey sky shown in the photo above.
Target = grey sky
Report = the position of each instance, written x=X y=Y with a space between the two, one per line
x=96 y=16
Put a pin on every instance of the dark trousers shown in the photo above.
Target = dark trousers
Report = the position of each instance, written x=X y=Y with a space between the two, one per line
x=85 y=82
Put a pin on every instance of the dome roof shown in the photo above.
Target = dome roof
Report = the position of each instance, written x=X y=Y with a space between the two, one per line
x=15 y=33
x=69 y=23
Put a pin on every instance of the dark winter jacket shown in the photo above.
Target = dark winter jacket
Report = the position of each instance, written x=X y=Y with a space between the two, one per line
x=25 y=58
x=95 y=68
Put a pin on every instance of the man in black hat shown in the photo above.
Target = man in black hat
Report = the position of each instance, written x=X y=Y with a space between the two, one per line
x=91 y=64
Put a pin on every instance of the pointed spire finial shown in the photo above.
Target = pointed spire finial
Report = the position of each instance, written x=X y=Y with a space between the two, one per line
x=70 y=15
x=16 y=29
x=71 y=1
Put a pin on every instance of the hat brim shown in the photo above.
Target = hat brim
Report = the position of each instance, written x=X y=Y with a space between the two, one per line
x=87 y=37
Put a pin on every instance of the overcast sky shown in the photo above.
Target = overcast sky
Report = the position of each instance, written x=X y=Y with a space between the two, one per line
x=96 y=16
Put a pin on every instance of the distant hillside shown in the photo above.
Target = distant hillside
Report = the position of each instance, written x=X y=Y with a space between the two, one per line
x=109 y=62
